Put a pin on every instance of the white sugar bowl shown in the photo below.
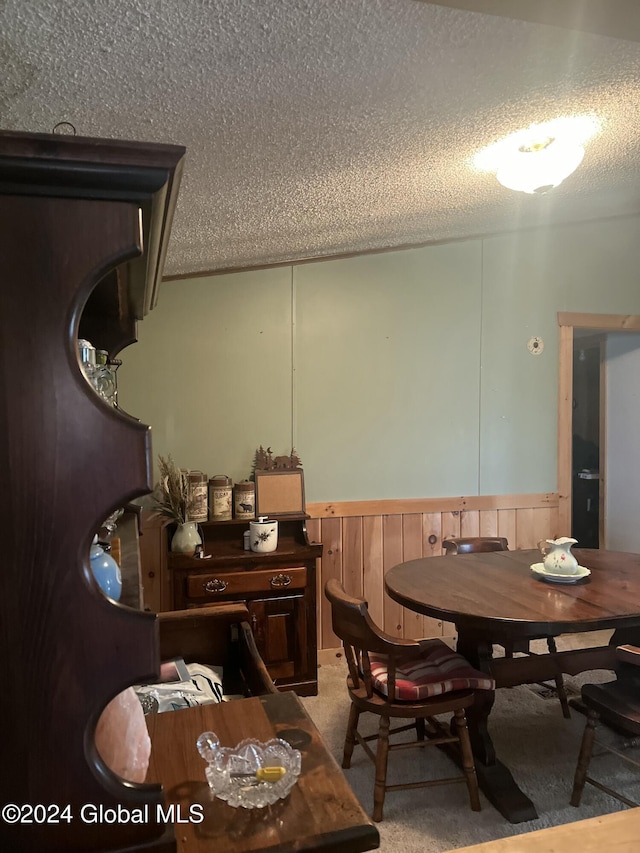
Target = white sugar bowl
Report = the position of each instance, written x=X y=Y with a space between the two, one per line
x=263 y=535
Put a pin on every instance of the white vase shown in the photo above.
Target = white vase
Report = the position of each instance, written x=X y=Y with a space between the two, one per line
x=186 y=539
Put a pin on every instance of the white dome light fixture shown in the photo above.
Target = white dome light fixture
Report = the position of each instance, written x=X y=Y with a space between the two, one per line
x=539 y=158
x=540 y=166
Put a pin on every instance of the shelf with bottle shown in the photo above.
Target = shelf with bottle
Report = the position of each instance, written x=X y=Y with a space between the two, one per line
x=100 y=371
x=224 y=540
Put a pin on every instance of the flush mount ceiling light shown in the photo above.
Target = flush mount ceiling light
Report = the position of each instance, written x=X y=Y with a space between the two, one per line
x=539 y=158
x=539 y=166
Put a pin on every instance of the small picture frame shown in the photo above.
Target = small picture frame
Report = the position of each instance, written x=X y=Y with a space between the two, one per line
x=280 y=492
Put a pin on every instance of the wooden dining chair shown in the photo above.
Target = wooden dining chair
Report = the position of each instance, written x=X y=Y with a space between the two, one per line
x=483 y=545
x=403 y=679
x=617 y=704
x=475 y=544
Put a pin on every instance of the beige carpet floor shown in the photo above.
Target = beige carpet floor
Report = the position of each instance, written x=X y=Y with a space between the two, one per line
x=532 y=738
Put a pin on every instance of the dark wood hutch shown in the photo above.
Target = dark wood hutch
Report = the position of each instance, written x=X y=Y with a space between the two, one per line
x=279 y=589
x=84 y=225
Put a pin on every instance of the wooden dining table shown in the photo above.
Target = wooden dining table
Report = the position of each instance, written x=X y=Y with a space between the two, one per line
x=494 y=598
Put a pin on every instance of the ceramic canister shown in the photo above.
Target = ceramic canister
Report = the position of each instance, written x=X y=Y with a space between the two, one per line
x=263 y=535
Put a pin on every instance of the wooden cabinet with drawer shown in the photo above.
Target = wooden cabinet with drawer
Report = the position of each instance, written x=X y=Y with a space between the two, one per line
x=279 y=589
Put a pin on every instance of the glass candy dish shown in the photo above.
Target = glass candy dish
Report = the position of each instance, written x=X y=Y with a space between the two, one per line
x=236 y=774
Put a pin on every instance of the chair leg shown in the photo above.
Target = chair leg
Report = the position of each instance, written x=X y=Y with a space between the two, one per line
x=584 y=758
x=350 y=739
x=562 y=696
x=382 y=755
x=560 y=688
x=420 y=729
x=468 y=764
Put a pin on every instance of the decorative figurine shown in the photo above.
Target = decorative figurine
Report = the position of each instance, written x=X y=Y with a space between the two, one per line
x=266 y=461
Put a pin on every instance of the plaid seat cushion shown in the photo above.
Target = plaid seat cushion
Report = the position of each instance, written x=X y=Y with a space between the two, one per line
x=438 y=670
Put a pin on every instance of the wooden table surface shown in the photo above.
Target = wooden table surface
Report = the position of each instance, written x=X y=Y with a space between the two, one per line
x=321 y=813
x=613 y=833
x=498 y=589
x=495 y=598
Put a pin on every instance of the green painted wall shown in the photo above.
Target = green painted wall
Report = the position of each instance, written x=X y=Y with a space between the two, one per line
x=387 y=380
x=395 y=375
x=211 y=372
x=527 y=278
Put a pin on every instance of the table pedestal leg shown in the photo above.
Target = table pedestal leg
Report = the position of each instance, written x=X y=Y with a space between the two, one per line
x=494 y=778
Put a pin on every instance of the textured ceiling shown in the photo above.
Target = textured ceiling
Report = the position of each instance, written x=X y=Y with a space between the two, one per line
x=323 y=127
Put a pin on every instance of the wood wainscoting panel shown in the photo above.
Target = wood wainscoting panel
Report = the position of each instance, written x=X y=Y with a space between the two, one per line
x=470 y=523
x=525 y=528
x=331 y=566
x=412 y=549
x=353 y=567
x=432 y=547
x=488 y=522
x=431 y=534
x=364 y=539
x=373 y=574
x=507 y=524
x=392 y=554
x=450 y=525
x=368 y=538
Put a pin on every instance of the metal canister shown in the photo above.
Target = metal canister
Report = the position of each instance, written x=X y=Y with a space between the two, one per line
x=221 y=498
x=197 y=484
x=244 y=499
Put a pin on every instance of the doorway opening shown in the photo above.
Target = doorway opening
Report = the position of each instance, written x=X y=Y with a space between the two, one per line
x=588 y=355
x=582 y=422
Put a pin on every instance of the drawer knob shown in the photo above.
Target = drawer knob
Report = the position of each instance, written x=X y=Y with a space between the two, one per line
x=278 y=581
x=215 y=585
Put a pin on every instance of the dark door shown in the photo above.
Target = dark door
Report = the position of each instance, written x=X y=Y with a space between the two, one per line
x=585 y=513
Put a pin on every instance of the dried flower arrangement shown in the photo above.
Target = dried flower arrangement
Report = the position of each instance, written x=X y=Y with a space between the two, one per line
x=171 y=493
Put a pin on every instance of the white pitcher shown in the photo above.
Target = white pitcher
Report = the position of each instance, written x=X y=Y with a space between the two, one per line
x=558 y=559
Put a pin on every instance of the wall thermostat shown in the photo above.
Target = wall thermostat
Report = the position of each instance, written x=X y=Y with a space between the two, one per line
x=535 y=346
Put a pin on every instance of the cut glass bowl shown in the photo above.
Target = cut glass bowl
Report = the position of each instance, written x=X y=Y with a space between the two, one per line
x=231 y=772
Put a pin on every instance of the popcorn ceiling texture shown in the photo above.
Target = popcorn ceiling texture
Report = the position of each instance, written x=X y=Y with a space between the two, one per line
x=322 y=127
